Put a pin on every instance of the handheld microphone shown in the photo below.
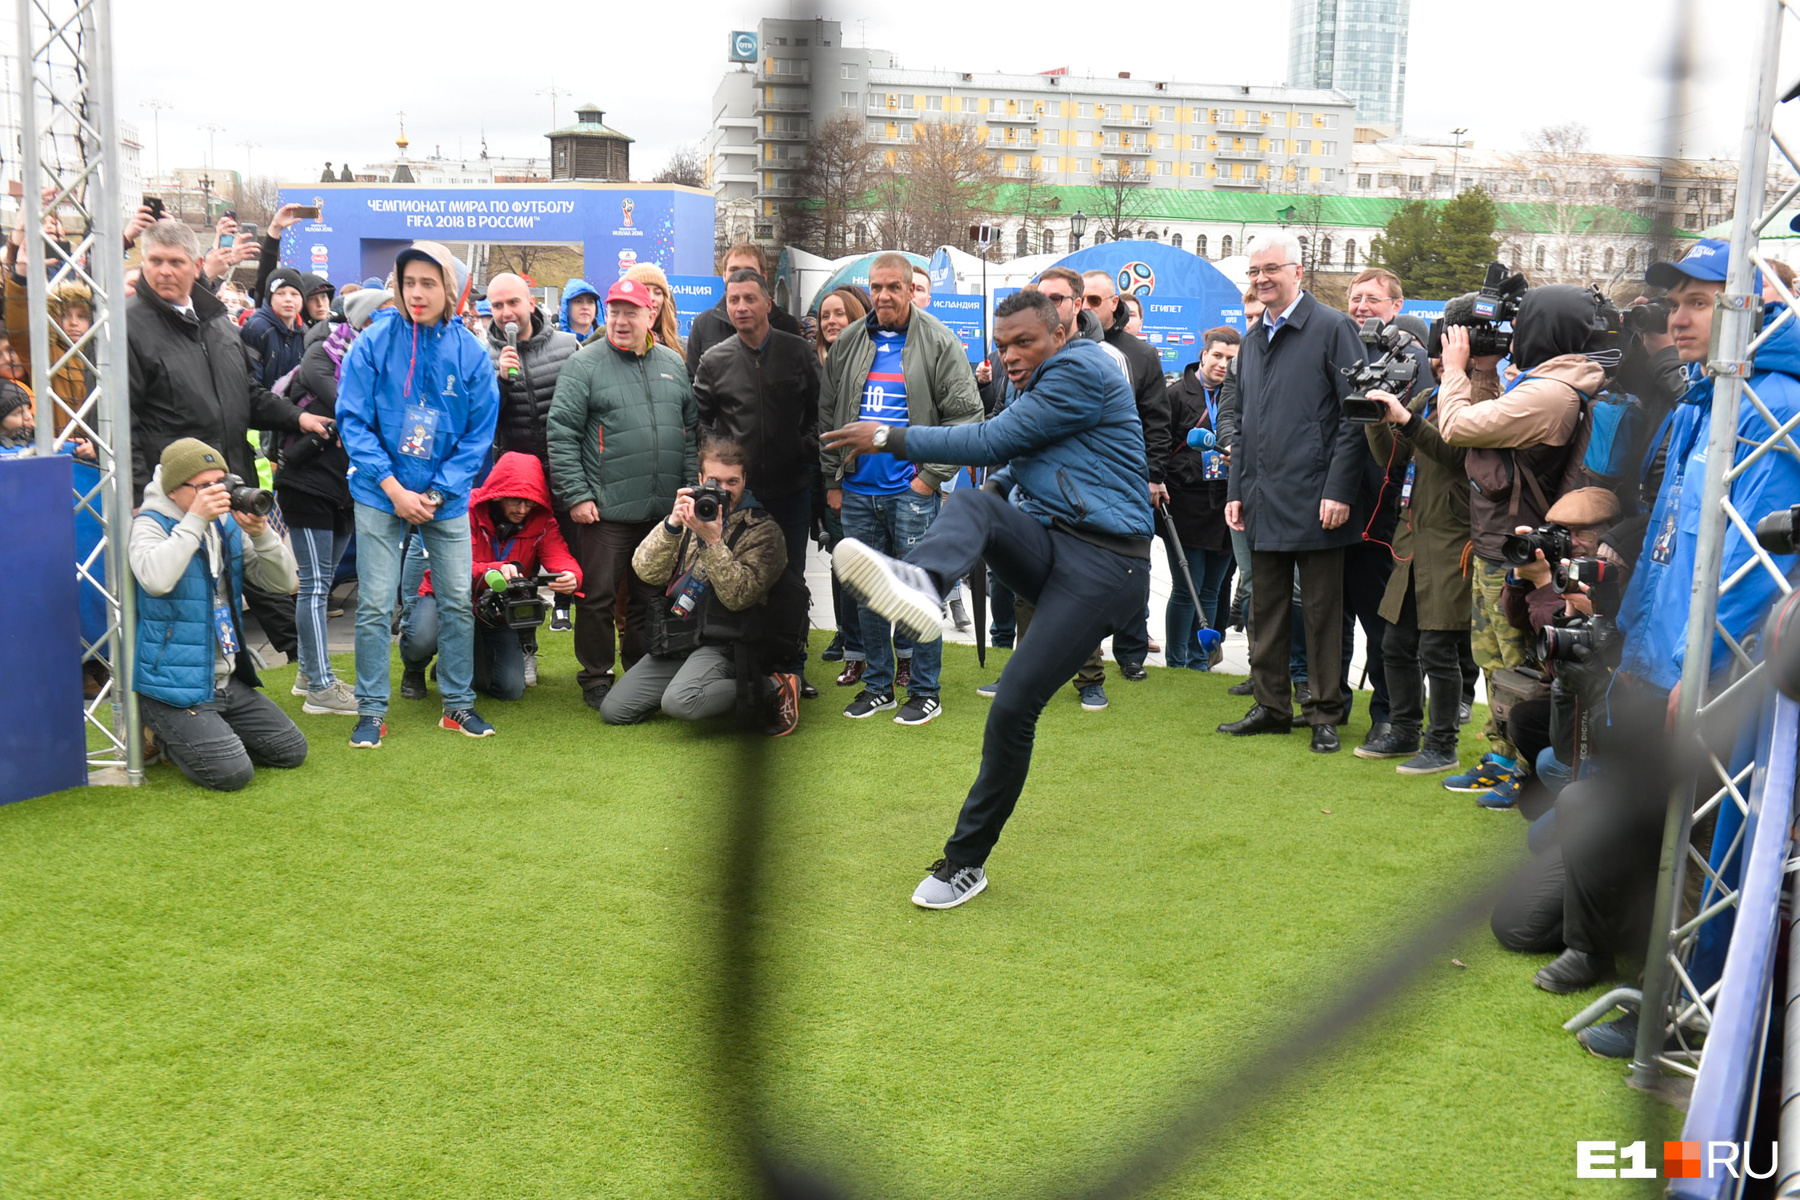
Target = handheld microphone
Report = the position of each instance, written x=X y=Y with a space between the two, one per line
x=512 y=339
x=1201 y=439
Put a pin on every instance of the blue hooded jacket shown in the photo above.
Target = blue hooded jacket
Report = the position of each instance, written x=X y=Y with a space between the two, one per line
x=581 y=287
x=1073 y=440
x=1654 y=610
x=394 y=366
x=275 y=348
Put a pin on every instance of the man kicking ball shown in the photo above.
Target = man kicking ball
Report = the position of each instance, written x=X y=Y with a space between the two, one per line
x=1066 y=526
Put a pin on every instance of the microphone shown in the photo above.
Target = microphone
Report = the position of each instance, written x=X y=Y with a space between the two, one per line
x=1201 y=439
x=512 y=339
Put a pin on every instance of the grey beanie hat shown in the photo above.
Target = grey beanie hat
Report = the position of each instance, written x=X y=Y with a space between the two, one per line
x=360 y=306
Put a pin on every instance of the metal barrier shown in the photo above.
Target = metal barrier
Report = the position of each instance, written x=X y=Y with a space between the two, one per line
x=1723 y=1105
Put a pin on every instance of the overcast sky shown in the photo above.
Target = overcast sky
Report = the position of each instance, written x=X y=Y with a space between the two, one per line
x=308 y=88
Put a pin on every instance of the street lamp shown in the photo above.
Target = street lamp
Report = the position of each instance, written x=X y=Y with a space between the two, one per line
x=1456 y=162
x=206 y=184
x=1077 y=227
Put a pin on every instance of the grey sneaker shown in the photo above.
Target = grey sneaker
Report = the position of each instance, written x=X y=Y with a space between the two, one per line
x=301 y=684
x=337 y=699
x=987 y=690
x=897 y=590
x=531 y=669
x=1093 y=697
x=1429 y=762
x=949 y=885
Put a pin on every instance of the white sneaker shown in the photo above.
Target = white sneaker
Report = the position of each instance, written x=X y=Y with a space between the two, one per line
x=301 y=684
x=531 y=669
x=949 y=885
x=337 y=699
x=899 y=591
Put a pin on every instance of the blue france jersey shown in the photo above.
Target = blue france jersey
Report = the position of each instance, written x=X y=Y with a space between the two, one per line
x=884 y=400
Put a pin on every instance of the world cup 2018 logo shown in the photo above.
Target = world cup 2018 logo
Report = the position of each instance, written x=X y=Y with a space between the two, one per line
x=1136 y=279
x=626 y=205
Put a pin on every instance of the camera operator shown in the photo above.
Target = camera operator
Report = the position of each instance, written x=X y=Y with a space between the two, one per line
x=191 y=554
x=513 y=531
x=729 y=561
x=1426 y=603
x=1524 y=443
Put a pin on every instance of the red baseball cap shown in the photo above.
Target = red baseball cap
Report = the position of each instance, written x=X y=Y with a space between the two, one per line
x=630 y=293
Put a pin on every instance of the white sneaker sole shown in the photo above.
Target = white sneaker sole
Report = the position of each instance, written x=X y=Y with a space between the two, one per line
x=865 y=572
x=962 y=899
x=320 y=710
x=860 y=716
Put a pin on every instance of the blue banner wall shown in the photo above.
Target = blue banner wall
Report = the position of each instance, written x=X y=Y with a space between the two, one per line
x=617 y=226
x=694 y=294
x=961 y=314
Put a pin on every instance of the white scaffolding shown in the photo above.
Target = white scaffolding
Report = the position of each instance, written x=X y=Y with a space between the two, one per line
x=66 y=95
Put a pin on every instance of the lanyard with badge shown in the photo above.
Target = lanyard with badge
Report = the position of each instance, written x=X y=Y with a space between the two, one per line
x=1412 y=464
x=1662 y=549
x=224 y=623
x=1212 y=463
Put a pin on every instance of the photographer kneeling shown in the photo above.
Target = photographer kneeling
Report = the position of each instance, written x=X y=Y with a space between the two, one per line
x=717 y=557
x=512 y=530
x=195 y=682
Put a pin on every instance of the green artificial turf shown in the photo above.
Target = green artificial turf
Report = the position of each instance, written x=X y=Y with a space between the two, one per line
x=488 y=968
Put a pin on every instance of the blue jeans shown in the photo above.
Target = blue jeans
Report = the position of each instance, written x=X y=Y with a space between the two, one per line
x=1208 y=568
x=499 y=652
x=412 y=573
x=893 y=525
x=378 y=540
x=317 y=553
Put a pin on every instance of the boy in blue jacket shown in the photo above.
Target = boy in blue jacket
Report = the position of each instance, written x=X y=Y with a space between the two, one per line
x=417 y=404
x=1073 y=539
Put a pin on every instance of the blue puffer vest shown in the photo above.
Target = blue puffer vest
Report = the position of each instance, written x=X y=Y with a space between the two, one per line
x=175 y=643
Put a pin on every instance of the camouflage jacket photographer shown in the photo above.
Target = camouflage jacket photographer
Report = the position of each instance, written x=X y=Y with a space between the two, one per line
x=740 y=568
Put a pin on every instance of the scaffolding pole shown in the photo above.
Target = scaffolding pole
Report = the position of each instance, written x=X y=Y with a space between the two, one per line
x=66 y=97
x=1672 y=1000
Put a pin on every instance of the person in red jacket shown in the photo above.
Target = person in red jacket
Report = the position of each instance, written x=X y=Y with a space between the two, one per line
x=513 y=531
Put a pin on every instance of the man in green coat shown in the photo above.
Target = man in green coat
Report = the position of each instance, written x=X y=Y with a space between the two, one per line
x=621 y=432
x=1427 y=600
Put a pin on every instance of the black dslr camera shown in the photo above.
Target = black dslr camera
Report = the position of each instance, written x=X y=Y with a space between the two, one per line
x=1594 y=638
x=256 y=501
x=1605 y=581
x=512 y=603
x=1393 y=371
x=1482 y=313
x=709 y=501
x=1554 y=540
x=1775 y=532
x=1649 y=317
x=309 y=446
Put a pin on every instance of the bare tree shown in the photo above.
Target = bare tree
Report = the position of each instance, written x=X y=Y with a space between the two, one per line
x=839 y=174
x=1122 y=199
x=257 y=200
x=948 y=177
x=1032 y=201
x=684 y=166
x=1580 y=231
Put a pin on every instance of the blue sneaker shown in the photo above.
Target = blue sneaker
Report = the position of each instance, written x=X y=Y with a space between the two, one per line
x=467 y=722
x=367 y=734
x=1093 y=697
x=1484 y=776
x=1504 y=796
x=986 y=691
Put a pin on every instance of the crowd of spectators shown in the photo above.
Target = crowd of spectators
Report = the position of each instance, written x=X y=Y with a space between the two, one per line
x=473 y=449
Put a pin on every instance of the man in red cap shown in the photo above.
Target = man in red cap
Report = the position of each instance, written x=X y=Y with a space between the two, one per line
x=621 y=434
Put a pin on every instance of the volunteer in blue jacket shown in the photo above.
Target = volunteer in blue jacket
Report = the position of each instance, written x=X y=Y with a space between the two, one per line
x=1654 y=612
x=1074 y=539
x=580 y=311
x=417 y=405
x=190 y=558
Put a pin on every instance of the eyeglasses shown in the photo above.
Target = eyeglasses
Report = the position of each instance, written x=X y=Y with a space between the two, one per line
x=1059 y=299
x=1254 y=272
x=1097 y=301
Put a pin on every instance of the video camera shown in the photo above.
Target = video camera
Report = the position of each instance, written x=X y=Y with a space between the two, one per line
x=512 y=603
x=1482 y=313
x=256 y=501
x=1394 y=371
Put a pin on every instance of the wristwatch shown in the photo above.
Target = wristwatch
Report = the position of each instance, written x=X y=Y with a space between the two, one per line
x=881 y=436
